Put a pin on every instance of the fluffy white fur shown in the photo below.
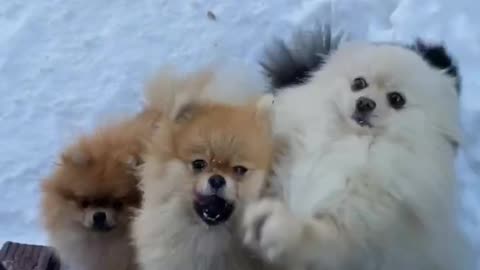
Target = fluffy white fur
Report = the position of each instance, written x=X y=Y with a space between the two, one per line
x=365 y=198
x=94 y=252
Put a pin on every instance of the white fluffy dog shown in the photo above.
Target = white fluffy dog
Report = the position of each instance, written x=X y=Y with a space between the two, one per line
x=369 y=181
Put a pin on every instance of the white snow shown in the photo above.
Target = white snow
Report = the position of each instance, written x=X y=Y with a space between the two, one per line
x=66 y=66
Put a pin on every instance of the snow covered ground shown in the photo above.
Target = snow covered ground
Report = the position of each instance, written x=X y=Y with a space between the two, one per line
x=68 y=65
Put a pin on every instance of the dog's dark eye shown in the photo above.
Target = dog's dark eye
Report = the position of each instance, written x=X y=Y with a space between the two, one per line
x=239 y=170
x=84 y=203
x=117 y=205
x=396 y=100
x=199 y=165
x=358 y=84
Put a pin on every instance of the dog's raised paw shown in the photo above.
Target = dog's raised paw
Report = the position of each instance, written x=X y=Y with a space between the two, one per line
x=271 y=230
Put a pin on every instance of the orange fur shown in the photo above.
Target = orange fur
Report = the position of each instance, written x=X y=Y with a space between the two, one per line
x=98 y=171
x=224 y=136
x=228 y=133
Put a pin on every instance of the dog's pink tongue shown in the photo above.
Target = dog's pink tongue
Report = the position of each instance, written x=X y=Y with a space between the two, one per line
x=202 y=199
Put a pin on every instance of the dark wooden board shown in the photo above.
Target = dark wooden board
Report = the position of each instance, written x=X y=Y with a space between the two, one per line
x=16 y=256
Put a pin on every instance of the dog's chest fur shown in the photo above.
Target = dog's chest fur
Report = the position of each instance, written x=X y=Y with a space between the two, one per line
x=169 y=237
x=203 y=248
x=320 y=174
x=85 y=251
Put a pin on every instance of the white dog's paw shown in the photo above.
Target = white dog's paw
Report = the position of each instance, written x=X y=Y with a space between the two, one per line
x=272 y=230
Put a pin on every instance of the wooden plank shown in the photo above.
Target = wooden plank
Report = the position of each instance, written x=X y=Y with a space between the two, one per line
x=16 y=256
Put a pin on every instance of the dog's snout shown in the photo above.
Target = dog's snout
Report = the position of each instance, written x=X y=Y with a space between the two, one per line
x=99 y=218
x=216 y=181
x=365 y=105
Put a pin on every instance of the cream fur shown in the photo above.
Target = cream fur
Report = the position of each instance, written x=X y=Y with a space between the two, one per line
x=203 y=123
x=93 y=251
x=358 y=198
x=169 y=235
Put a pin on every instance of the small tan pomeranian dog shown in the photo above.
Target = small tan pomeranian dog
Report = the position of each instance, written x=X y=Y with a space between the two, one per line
x=206 y=160
x=89 y=198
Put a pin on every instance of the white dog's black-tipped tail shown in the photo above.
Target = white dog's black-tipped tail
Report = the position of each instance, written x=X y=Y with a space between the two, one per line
x=291 y=65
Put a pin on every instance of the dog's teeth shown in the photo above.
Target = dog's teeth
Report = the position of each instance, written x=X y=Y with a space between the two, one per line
x=209 y=218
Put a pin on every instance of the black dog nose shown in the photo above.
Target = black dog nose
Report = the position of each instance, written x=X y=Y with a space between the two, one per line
x=365 y=105
x=216 y=181
x=99 y=218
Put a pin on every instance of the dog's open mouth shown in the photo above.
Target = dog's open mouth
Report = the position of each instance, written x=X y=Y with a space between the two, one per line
x=212 y=209
x=362 y=120
x=102 y=229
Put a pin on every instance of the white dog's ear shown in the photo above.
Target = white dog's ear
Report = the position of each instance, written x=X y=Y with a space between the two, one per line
x=437 y=56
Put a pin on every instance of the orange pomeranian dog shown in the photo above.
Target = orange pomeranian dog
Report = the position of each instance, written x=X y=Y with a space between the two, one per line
x=205 y=162
x=89 y=199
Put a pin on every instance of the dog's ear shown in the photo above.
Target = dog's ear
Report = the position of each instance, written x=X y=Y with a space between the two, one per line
x=437 y=56
x=177 y=95
x=264 y=105
x=133 y=162
x=185 y=113
x=76 y=156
